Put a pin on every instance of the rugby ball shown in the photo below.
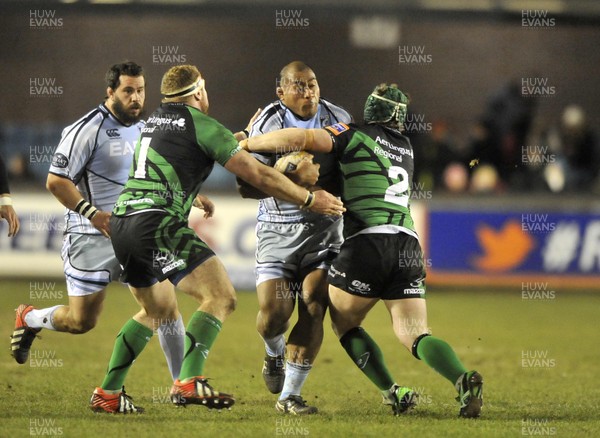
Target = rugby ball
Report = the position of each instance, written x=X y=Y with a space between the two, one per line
x=289 y=162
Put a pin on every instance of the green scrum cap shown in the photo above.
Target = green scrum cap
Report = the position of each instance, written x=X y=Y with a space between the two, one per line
x=386 y=105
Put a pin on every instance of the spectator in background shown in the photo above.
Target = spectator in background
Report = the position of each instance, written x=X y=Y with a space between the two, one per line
x=440 y=163
x=574 y=146
x=6 y=209
x=502 y=131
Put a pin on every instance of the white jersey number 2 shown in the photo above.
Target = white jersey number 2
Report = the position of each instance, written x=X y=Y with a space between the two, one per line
x=398 y=193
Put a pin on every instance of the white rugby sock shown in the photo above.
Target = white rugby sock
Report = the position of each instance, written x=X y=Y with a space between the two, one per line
x=295 y=375
x=275 y=346
x=41 y=318
x=171 y=336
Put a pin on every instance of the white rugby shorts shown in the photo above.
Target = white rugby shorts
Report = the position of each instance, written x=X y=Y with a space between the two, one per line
x=292 y=250
x=89 y=263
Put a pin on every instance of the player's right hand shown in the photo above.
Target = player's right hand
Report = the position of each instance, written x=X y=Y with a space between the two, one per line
x=100 y=222
x=326 y=203
x=306 y=173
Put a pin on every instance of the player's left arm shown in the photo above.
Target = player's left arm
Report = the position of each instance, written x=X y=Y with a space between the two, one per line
x=290 y=140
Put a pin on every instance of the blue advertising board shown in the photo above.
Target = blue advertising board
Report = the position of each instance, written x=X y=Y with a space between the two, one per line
x=500 y=243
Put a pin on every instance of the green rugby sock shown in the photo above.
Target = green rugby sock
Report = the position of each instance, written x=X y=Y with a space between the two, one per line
x=201 y=332
x=130 y=342
x=367 y=356
x=441 y=357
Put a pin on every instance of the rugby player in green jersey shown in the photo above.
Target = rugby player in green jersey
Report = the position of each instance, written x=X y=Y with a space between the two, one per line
x=175 y=154
x=381 y=258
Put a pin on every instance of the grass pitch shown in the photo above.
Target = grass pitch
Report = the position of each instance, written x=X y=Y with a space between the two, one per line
x=539 y=359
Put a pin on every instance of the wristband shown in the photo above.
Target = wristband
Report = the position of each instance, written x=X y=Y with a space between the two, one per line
x=246 y=133
x=86 y=209
x=310 y=200
x=5 y=200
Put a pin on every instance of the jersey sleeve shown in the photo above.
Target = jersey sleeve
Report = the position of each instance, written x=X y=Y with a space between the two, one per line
x=340 y=134
x=214 y=139
x=338 y=113
x=269 y=120
x=75 y=149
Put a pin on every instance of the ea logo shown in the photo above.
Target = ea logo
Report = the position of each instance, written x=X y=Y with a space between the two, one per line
x=112 y=133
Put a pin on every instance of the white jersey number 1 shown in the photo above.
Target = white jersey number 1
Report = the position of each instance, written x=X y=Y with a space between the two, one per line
x=140 y=170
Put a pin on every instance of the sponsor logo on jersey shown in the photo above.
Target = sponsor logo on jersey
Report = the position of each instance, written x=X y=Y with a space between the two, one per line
x=400 y=149
x=333 y=272
x=387 y=154
x=59 y=160
x=235 y=151
x=338 y=128
x=136 y=201
x=118 y=148
x=359 y=286
x=179 y=122
x=168 y=121
x=113 y=133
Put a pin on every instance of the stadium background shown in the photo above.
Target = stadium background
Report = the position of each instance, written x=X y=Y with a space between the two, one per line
x=514 y=268
x=454 y=59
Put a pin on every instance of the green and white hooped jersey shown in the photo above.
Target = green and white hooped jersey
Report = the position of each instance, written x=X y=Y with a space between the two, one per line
x=377 y=170
x=175 y=154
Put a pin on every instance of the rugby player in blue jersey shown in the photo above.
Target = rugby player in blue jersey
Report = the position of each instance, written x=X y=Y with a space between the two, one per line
x=381 y=257
x=88 y=171
x=294 y=246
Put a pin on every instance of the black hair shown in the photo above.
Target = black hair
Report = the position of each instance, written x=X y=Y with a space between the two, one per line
x=126 y=68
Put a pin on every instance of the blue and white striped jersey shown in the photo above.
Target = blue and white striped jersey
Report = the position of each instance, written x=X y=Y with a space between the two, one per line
x=95 y=153
x=277 y=116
